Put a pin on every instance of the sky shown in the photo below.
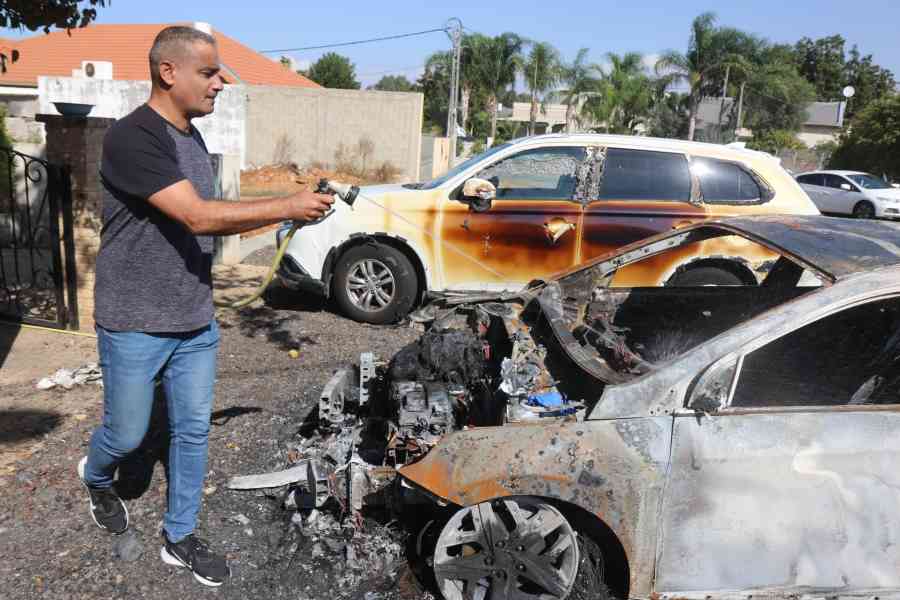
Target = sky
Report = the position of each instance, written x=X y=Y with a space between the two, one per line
x=648 y=27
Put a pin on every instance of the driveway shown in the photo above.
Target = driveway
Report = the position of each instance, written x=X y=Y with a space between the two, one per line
x=50 y=548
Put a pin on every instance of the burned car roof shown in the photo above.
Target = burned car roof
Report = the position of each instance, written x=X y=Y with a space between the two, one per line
x=836 y=246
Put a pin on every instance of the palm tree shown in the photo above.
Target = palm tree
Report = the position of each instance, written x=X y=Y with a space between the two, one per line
x=695 y=66
x=580 y=80
x=495 y=63
x=542 y=73
x=625 y=95
x=468 y=77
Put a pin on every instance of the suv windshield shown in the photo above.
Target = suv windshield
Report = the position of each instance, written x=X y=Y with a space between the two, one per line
x=869 y=182
x=463 y=166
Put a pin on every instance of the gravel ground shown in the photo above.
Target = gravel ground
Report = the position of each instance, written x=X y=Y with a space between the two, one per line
x=49 y=547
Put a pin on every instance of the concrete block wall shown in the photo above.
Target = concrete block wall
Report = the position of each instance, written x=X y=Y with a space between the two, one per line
x=223 y=131
x=304 y=125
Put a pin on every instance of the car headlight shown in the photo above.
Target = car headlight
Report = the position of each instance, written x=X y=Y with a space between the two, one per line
x=889 y=200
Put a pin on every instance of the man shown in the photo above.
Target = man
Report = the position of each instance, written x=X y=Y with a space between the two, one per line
x=153 y=297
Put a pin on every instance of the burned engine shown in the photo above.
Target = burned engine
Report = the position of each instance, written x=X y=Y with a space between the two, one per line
x=476 y=369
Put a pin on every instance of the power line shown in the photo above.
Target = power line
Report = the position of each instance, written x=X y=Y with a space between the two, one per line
x=355 y=42
x=391 y=71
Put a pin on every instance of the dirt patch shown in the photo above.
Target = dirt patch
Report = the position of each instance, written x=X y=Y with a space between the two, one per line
x=50 y=546
x=279 y=180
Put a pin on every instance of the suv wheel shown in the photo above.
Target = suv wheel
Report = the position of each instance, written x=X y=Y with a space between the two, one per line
x=374 y=283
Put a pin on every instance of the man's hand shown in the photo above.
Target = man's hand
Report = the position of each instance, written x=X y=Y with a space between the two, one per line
x=308 y=206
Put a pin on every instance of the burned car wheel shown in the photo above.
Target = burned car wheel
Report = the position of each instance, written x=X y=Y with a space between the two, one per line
x=374 y=283
x=519 y=547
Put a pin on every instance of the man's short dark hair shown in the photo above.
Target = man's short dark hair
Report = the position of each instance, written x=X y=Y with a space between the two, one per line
x=172 y=43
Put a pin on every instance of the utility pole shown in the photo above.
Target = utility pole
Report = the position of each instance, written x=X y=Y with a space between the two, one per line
x=454 y=30
x=740 y=107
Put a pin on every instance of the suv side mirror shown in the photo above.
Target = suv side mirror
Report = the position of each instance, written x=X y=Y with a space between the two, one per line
x=478 y=194
x=846 y=186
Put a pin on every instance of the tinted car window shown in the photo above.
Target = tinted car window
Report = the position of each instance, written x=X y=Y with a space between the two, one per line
x=724 y=182
x=833 y=181
x=815 y=179
x=645 y=175
x=540 y=174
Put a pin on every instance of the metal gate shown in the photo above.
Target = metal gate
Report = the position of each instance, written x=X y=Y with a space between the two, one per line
x=37 y=252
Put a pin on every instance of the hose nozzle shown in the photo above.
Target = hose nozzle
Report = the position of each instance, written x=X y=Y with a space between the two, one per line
x=344 y=191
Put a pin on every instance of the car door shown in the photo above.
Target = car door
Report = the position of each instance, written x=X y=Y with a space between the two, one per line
x=642 y=193
x=530 y=230
x=814 y=186
x=793 y=485
x=843 y=194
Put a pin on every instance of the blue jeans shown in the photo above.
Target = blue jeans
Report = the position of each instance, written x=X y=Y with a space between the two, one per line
x=131 y=363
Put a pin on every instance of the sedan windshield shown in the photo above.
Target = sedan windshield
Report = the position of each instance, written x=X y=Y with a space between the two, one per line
x=462 y=167
x=869 y=182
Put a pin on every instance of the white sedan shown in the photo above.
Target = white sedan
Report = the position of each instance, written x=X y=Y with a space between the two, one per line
x=862 y=195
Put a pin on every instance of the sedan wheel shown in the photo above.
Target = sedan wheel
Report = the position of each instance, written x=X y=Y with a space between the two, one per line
x=520 y=547
x=864 y=210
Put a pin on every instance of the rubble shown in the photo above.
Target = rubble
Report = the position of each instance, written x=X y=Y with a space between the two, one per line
x=69 y=378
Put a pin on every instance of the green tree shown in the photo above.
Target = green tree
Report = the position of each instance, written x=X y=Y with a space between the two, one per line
x=495 y=63
x=434 y=83
x=625 y=94
x=774 y=141
x=668 y=116
x=869 y=81
x=541 y=71
x=442 y=62
x=776 y=93
x=712 y=53
x=580 y=79
x=872 y=143
x=393 y=83
x=824 y=63
x=693 y=67
x=821 y=62
x=334 y=71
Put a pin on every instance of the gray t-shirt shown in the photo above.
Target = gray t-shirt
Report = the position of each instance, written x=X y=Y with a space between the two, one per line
x=152 y=275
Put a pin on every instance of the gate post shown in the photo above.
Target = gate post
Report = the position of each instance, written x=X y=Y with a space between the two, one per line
x=76 y=144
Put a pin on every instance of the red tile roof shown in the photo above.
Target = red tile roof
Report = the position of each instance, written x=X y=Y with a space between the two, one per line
x=127 y=46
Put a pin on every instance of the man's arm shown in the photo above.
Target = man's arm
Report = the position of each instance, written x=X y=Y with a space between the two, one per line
x=181 y=202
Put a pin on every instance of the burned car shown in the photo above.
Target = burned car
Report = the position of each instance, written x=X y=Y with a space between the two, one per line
x=575 y=439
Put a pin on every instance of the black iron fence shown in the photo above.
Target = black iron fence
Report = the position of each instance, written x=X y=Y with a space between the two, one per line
x=37 y=250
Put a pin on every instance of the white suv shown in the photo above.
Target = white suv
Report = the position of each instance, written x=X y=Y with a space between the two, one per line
x=533 y=207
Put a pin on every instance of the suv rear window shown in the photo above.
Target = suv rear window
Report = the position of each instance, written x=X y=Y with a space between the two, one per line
x=725 y=182
x=814 y=179
x=645 y=175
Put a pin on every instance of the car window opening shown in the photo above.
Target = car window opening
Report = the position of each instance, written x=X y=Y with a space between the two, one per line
x=539 y=174
x=864 y=368
x=634 y=329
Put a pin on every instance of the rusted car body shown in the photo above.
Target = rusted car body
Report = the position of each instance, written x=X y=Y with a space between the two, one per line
x=561 y=200
x=751 y=461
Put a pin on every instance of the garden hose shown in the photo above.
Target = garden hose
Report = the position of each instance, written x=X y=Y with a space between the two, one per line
x=343 y=191
x=269 y=276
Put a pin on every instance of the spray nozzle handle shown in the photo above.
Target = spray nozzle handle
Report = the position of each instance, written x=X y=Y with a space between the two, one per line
x=344 y=191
